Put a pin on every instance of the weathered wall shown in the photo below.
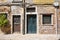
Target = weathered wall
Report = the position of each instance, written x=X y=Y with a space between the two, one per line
x=5 y=1
x=43 y=1
x=43 y=29
x=58 y=26
x=5 y=9
x=17 y=10
x=47 y=29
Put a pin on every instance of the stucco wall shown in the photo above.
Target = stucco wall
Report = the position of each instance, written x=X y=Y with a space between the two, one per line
x=43 y=29
x=46 y=9
x=58 y=26
x=47 y=29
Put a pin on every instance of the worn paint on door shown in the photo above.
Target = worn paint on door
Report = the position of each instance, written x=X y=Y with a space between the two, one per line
x=31 y=23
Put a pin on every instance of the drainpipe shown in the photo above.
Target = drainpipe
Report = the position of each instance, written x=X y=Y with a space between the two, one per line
x=56 y=5
x=57 y=19
x=24 y=17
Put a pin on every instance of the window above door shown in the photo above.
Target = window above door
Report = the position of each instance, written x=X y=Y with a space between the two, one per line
x=16 y=19
x=17 y=1
x=31 y=10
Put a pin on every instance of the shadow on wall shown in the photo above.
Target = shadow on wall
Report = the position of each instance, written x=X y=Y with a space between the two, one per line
x=6 y=29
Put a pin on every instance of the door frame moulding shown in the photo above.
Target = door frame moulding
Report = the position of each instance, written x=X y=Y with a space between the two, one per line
x=12 y=23
x=32 y=13
x=26 y=23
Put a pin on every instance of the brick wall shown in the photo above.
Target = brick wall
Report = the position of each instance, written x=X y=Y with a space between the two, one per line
x=47 y=29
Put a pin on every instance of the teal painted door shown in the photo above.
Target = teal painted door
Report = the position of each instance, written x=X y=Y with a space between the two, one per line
x=31 y=24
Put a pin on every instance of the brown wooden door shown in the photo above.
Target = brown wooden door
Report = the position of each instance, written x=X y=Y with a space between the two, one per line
x=16 y=23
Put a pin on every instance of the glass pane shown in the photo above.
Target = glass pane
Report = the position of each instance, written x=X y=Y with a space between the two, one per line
x=17 y=0
x=31 y=23
x=30 y=9
x=46 y=19
x=16 y=19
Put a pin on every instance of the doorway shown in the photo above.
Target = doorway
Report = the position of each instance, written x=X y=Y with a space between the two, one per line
x=31 y=23
x=16 y=23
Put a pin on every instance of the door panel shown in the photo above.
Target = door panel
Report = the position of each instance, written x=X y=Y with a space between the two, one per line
x=31 y=23
x=16 y=23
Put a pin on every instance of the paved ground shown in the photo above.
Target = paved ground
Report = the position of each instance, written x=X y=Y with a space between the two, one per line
x=27 y=37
